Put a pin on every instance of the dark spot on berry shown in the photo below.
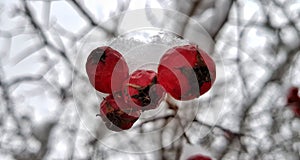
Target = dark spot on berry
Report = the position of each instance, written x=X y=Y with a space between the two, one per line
x=202 y=74
x=98 y=55
x=114 y=118
x=201 y=70
x=143 y=95
x=154 y=80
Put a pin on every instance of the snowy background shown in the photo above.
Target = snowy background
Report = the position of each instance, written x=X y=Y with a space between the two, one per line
x=48 y=107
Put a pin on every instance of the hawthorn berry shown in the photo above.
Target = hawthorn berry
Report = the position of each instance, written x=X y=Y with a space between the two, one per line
x=198 y=157
x=117 y=115
x=141 y=89
x=186 y=72
x=293 y=95
x=293 y=100
x=101 y=64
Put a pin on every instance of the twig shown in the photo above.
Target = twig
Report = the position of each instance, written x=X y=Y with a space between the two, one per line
x=90 y=19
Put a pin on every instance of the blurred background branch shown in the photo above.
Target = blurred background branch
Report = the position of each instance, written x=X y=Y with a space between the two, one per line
x=44 y=93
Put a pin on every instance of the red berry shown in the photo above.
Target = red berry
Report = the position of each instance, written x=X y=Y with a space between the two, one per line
x=293 y=100
x=116 y=115
x=293 y=95
x=141 y=89
x=296 y=108
x=101 y=64
x=198 y=157
x=186 y=72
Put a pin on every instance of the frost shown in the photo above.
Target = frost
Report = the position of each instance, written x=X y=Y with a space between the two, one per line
x=143 y=49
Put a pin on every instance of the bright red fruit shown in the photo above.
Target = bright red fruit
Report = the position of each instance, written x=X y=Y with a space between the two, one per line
x=186 y=72
x=198 y=157
x=116 y=115
x=141 y=89
x=101 y=64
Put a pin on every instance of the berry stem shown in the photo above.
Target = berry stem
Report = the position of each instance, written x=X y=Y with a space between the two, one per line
x=135 y=86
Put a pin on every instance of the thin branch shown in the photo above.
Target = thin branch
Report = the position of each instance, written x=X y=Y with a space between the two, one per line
x=223 y=21
x=90 y=19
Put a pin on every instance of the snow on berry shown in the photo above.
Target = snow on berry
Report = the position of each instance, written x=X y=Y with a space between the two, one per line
x=101 y=64
x=117 y=115
x=141 y=89
x=186 y=72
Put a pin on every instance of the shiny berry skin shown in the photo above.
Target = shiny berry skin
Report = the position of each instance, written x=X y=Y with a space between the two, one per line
x=101 y=64
x=116 y=115
x=141 y=89
x=198 y=157
x=186 y=72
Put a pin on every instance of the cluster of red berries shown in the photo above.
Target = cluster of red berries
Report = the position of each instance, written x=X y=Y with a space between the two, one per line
x=185 y=72
x=293 y=100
